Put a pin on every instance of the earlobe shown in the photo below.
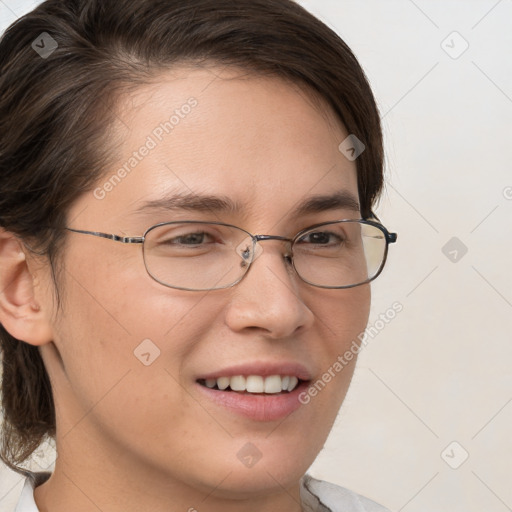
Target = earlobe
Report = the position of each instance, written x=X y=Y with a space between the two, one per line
x=21 y=314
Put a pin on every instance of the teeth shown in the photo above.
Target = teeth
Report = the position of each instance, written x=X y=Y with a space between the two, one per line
x=255 y=383
x=293 y=383
x=223 y=382
x=237 y=383
x=273 y=384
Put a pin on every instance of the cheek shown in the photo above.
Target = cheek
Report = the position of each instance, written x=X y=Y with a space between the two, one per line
x=117 y=319
x=342 y=316
x=341 y=320
x=124 y=343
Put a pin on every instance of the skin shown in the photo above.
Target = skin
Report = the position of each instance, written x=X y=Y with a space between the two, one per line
x=132 y=437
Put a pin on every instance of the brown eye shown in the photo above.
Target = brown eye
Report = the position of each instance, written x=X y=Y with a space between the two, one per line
x=320 y=238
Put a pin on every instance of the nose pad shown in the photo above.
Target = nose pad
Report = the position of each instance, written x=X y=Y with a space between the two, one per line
x=248 y=251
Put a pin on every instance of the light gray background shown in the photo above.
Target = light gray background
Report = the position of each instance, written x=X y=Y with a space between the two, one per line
x=435 y=385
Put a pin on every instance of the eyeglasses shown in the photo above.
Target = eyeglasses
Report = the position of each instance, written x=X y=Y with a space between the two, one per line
x=201 y=256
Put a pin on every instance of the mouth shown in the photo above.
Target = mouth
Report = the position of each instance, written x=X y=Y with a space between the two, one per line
x=253 y=384
x=262 y=392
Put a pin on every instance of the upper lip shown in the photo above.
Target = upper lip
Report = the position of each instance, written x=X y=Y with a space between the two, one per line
x=261 y=368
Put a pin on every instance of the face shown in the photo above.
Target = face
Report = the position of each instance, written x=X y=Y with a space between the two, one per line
x=134 y=355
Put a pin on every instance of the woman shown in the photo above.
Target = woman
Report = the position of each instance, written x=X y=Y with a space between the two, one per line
x=188 y=237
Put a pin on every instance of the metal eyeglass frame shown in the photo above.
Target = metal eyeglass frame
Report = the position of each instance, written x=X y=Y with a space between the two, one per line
x=390 y=238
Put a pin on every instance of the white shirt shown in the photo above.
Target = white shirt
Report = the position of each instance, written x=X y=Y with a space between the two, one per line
x=316 y=496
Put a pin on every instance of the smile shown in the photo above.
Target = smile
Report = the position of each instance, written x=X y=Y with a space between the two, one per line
x=253 y=383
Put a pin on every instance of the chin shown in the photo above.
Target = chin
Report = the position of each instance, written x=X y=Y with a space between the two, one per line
x=245 y=483
x=258 y=467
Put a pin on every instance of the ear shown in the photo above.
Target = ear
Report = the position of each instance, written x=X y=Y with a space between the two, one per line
x=20 y=312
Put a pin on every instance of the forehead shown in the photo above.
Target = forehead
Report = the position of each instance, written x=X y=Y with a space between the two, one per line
x=263 y=142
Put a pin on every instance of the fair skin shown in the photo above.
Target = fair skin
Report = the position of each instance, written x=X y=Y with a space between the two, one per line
x=132 y=437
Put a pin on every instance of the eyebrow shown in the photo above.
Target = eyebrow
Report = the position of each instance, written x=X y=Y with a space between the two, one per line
x=341 y=200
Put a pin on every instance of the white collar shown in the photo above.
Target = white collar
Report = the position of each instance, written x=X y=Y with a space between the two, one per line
x=316 y=496
x=26 y=502
x=320 y=496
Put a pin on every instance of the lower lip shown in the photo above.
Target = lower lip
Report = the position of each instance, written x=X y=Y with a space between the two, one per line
x=257 y=407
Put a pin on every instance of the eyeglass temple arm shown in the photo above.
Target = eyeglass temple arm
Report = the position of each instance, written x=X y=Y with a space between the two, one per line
x=116 y=238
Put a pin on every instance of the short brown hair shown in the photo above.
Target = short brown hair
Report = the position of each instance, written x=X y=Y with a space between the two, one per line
x=55 y=111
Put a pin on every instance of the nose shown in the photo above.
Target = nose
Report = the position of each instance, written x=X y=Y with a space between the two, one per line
x=268 y=299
